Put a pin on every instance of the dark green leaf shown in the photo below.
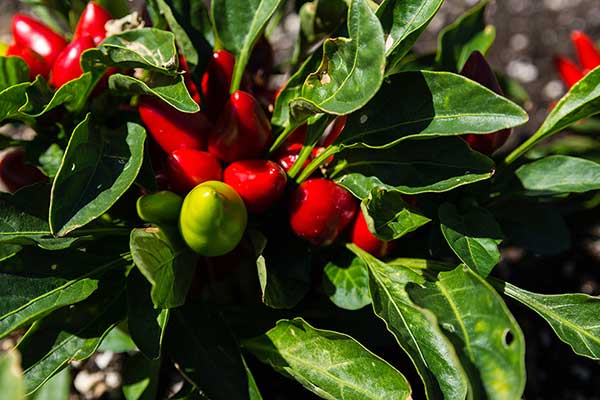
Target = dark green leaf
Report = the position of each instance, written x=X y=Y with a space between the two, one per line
x=140 y=378
x=11 y=378
x=13 y=70
x=415 y=328
x=473 y=235
x=490 y=342
x=329 y=364
x=50 y=159
x=346 y=282
x=468 y=34
x=117 y=341
x=351 y=71
x=11 y=100
x=98 y=167
x=560 y=174
x=412 y=167
x=57 y=388
x=318 y=19
x=165 y=262
x=184 y=42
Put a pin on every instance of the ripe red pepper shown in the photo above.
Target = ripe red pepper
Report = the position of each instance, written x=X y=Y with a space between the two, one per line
x=320 y=210
x=67 y=65
x=288 y=155
x=587 y=52
x=188 y=168
x=36 y=63
x=334 y=130
x=30 y=33
x=92 y=22
x=242 y=131
x=16 y=173
x=477 y=69
x=173 y=129
x=363 y=238
x=570 y=72
x=260 y=183
x=216 y=82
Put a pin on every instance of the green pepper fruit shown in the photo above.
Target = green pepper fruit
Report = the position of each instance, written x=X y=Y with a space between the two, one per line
x=160 y=207
x=213 y=219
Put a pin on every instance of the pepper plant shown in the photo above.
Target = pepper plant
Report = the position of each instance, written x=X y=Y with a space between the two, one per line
x=342 y=231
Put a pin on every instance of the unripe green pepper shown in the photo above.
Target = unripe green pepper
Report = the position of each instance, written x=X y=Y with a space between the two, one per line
x=213 y=219
x=160 y=207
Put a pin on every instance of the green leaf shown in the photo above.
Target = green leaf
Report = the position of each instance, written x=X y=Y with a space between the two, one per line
x=490 y=342
x=318 y=19
x=351 y=70
x=403 y=22
x=13 y=70
x=238 y=25
x=50 y=159
x=575 y=318
x=346 y=282
x=98 y=167
x=206 y=353
x=165 y=262
x=426 y=104
x=147 y=325
x=57 y=388
x=170 y=89
x=582 y=101
x=253 y=392
x=473 y=235
x=11 y=100
x=388 y=217
x=11 y=377
x=184 y=42
x=468 y=34
x=329 y=364
x=35 y=283
x=415 y=328
x=117 y=341
x=560 y=174
x=148 y=48
x=72 y=333
x=412 y=167
x=140 y=378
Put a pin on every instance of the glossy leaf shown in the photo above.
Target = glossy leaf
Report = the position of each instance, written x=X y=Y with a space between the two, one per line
x=147 y=325
x=351 y=71
x=468 y=34
x=11 y=378
x=117 y=341
x=486 y=335
x=238 y=25
x=575 y=318
x=183 y=40
x=329 y=364
x=57 y=388
x=415 y=328
x=168 y=88
x=473 y=235
x=13 y=70
x=98 y=167
x=346 y=282
x=35 y=283
x=412 y=167
x=403 y=22
x=318 y=19
x=165 y=262
x=11 y=100
x=140 y=378
x=388 y=216
x=560 y=174
x=582 y=101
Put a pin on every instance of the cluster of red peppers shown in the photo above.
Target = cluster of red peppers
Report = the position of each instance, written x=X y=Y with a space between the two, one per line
x=216 y=159
x=588 y=56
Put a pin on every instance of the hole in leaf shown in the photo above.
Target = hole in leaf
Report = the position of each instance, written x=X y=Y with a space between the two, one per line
x=508 y=338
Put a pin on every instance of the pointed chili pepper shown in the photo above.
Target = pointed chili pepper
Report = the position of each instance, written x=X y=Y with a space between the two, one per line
x=320 y=210
x=216 y=82
x=171 y=128
x=16 y=173
x=242 y=131
x=187 y=168
x=36 y=63
x=67 y=65
x=570 y=73
x=363 y=238
x=260 y=183
x=92 y=22
x=30 y=33
x=587 y=52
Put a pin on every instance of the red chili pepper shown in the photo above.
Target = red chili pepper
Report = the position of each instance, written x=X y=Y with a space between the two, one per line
x=30 y=33
x=36 y=63
x=477 y=69
x=242 y=131
x=288 y=155
x=216 y=82
x=16 y=173
x=260 y=64
x=334 y=130
x=570 y=72
x=587 y=52
x=189 y=83
x=92 y=22
x=188 y=168
x=173 y=129
x=260 y=183
x=67 y=65
x=363 y=238
x=320 y=210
